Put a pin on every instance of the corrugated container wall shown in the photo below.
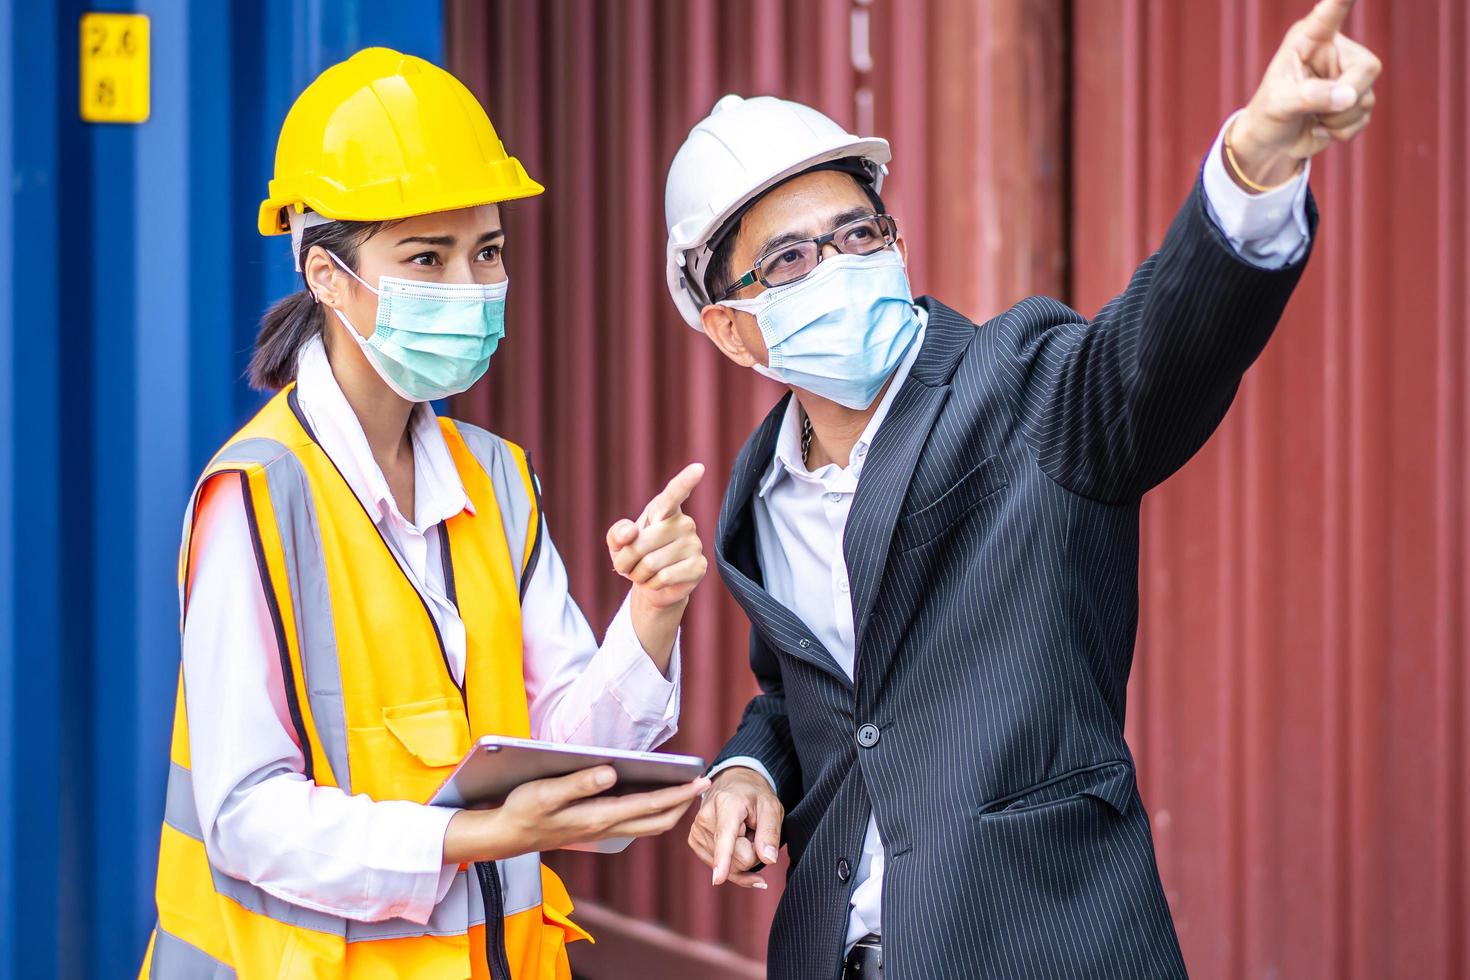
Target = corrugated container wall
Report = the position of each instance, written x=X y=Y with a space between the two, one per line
x=132 y=279
x=1299 y=704
x=1299 y=700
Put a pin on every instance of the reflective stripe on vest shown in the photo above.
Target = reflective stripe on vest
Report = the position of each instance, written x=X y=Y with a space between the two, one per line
x=306 y=571
x=520 y=878
x=315 y=544
x=169 y=957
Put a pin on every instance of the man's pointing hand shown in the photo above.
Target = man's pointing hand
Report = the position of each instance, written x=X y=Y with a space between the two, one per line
x=1317 y=89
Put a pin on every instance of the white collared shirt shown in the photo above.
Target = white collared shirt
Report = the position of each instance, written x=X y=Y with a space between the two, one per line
x=801 y=515
x=800 y=518
x=315 y=846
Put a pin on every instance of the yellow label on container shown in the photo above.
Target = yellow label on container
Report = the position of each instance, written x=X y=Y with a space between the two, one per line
x=114 y=82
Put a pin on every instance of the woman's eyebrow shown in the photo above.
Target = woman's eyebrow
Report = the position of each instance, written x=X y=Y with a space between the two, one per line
x=448 y=241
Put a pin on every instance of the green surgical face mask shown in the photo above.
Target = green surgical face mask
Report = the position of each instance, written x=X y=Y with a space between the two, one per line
x=432 y=340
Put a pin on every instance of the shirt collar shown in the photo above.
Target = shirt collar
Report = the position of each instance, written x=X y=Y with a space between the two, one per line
x=438 y=491
x=787 y=458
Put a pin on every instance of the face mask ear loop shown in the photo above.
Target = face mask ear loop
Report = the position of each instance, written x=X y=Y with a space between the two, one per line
x=354 y=275
x=362 y=341
x=751 y=306
x=367 y=350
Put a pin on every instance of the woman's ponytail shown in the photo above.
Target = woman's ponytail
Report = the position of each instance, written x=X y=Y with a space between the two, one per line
x=291 y=323
x=286 y=328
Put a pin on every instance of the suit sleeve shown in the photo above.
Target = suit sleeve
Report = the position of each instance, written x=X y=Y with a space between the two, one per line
x=1113 y=407
x=764 y=733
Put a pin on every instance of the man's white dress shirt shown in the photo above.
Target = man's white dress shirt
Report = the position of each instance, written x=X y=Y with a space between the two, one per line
x=315 y=846
x=800 y=514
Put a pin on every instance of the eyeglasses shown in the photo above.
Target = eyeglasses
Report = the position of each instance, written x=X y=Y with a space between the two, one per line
x=787 y=263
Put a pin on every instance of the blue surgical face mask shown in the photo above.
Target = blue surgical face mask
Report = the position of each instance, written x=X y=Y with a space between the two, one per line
x=431 y=340
x=842 y=330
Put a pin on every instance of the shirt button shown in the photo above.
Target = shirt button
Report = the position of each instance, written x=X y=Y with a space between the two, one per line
x=868 y=735
x=834 y=497
x=844 y=870
x=842 y=585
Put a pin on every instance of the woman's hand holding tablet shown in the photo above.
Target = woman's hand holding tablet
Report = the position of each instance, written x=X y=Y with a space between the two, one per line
x=546 y=814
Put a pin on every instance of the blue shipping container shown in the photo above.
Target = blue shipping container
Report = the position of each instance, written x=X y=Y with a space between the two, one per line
x=131 y=282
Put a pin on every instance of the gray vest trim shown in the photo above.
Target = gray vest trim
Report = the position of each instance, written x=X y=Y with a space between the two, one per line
x=174 y=959
x=306 y=570
x=261 y=902
x=181 y=814
x=291 y=499
x=462 y=907
x=179 y=811
x=520 y=882
x=491 y=452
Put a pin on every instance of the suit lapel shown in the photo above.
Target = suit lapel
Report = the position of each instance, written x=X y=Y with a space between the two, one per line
x=739 y=564
x=882 y=491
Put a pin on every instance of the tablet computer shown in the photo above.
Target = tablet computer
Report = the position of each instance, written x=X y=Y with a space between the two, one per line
x=498 y=764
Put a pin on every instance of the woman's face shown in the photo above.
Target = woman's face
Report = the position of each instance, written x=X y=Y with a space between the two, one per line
x=461 y=246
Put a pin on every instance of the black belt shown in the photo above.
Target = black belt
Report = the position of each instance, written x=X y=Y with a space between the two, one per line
x=866 y=959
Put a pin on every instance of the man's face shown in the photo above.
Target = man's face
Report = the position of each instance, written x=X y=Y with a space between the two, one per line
x=805 y=207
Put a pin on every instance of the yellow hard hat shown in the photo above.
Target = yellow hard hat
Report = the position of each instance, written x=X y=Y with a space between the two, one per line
x=385 y=135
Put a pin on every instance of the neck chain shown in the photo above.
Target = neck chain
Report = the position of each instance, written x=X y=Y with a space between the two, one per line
x=806 y=438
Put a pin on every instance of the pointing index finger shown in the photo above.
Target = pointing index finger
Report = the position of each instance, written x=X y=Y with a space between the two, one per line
x=667 y=503
x=730 y=824
x=1326 y=19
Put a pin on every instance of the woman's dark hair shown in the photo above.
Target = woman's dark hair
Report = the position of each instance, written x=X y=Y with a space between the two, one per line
x=291 y=322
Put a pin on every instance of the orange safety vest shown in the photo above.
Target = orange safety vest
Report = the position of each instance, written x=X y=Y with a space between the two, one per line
x=376 y=711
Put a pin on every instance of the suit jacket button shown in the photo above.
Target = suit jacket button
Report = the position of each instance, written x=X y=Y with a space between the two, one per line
x=867 y=736
x=803 y=643
x=844 y=870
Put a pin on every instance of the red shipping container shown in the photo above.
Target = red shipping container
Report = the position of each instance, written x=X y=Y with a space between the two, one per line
x=1300 y=691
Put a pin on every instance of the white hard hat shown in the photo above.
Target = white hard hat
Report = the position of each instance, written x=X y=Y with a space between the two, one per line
x=741 y=149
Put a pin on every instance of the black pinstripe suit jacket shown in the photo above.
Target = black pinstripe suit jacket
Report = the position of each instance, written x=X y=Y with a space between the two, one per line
x=992 y=548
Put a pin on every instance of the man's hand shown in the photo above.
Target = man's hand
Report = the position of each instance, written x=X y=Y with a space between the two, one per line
x=739 y=801
x=660 y=552
x=1317 y=89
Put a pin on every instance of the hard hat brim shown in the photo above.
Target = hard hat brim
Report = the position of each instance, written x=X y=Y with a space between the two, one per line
x=874 y=148
x=272 y=219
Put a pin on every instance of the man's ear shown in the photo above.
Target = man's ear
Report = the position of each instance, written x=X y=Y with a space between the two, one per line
x=321 y=277
x=719 y=325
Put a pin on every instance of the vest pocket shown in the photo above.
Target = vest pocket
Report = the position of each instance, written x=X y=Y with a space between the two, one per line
x=435 y=732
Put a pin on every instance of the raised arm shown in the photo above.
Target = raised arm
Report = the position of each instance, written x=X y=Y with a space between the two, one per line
x=1114 y=406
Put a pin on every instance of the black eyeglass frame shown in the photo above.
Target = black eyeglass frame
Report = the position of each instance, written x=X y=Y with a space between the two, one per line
x=887 y=223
